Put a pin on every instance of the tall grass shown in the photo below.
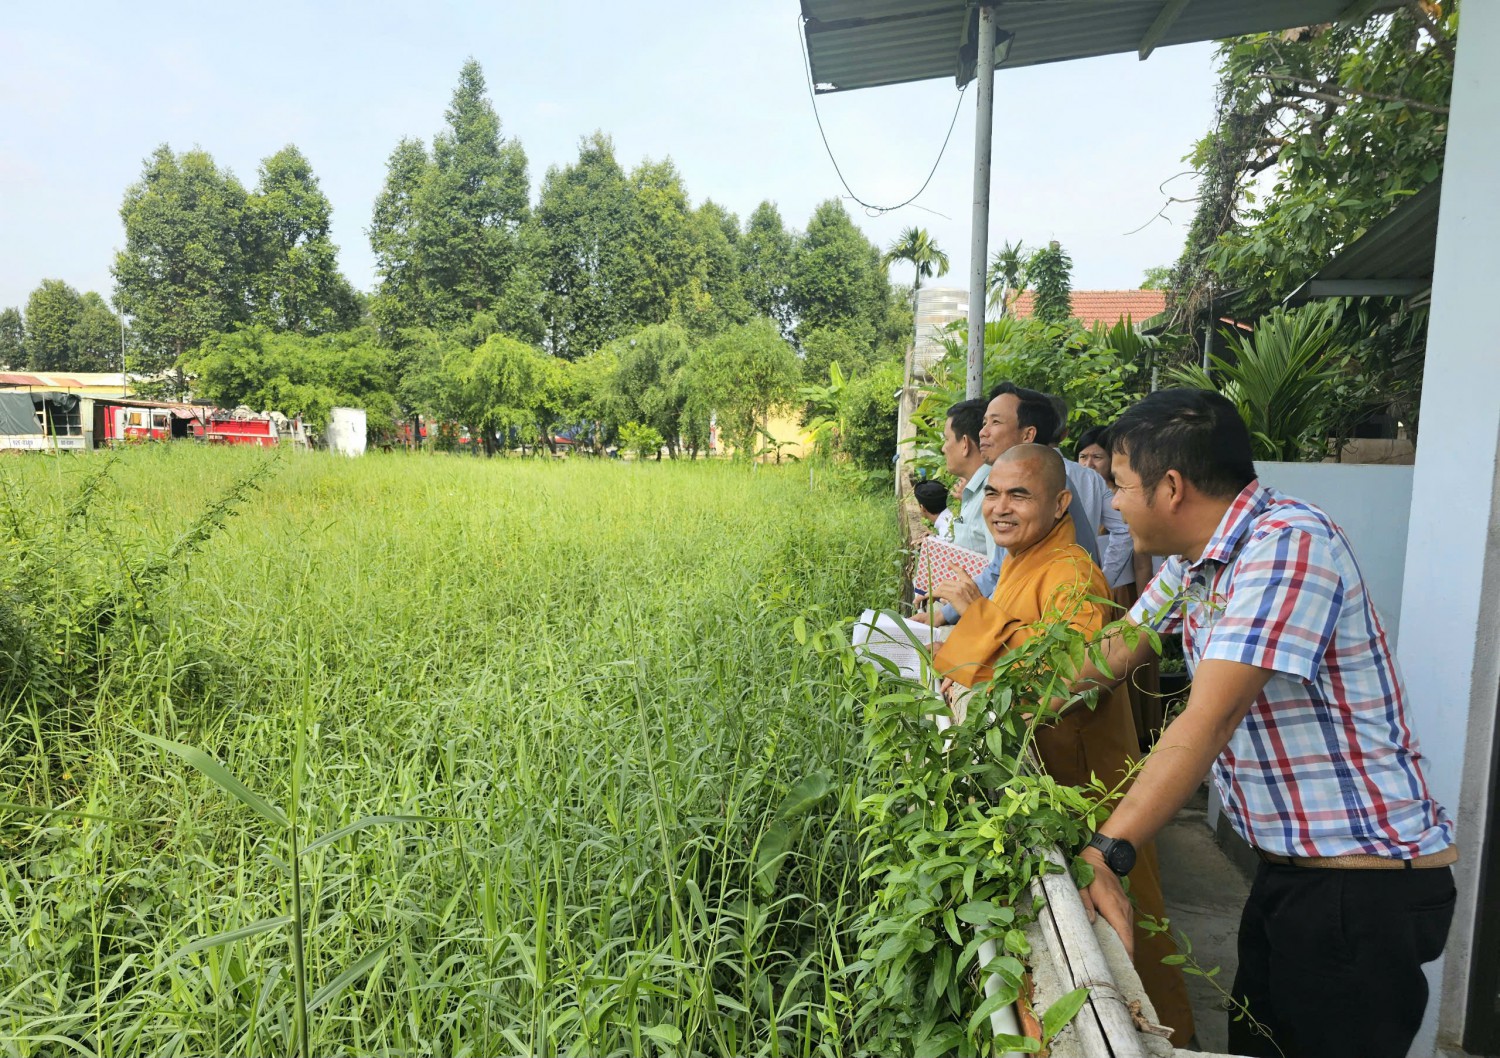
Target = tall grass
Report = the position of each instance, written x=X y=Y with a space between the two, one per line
x=638 y=792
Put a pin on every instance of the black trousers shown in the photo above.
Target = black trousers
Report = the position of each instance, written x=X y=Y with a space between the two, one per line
x=1331 y=960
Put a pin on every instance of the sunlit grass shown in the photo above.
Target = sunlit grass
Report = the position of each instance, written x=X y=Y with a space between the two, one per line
x=579 y=673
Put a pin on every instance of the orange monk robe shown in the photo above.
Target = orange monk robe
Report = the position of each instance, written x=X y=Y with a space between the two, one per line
x=1054 y=580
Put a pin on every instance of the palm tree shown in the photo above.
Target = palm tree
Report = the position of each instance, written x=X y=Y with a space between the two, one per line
x=1007 y=274
x=916 y=246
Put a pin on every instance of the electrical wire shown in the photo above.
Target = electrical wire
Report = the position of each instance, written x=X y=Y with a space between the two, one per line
x=871 y=208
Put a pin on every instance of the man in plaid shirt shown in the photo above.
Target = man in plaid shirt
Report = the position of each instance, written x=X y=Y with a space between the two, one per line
x=1298 y=707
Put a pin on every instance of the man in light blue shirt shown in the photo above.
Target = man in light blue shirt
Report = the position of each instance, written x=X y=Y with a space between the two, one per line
x=964 y=460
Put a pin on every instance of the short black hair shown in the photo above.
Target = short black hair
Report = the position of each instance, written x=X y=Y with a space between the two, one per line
x=1196 y=432
x=932 y=495
x=1094 y=435
x=1060 y=408
x=1035 y=411
x=967 y=417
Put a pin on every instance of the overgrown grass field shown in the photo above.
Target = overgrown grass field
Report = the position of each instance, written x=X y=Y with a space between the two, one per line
x=570 y=694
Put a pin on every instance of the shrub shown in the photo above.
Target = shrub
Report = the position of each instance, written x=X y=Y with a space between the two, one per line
x=868 y=407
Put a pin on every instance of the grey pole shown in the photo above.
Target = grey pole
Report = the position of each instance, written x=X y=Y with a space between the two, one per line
x=979 y=241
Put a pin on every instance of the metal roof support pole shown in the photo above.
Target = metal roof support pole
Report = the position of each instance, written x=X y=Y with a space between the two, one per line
x=979 y=241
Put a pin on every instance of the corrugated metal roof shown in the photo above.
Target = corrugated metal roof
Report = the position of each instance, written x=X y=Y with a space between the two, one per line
x=42 y=381
x=1393 y=258
x=864 y=43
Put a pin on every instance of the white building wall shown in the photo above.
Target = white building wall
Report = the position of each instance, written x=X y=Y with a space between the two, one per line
x=937 y=307
x=1450 y=608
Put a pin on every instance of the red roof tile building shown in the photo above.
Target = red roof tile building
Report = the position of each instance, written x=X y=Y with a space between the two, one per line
x=1102 y=306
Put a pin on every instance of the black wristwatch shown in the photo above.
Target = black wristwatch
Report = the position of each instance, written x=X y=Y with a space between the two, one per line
x=1119 y=854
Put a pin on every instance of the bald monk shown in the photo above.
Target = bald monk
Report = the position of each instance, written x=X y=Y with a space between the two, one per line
x=1047 y=576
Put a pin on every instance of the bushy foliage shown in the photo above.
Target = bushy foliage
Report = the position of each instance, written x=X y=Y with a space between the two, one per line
x=1099 y=372
x=1282 y=378
x=867 y=407
x=643 y=441
x=750 y=372
x=1349 y=118
x=1050 y=270
x=297 y=374
x=959 y=827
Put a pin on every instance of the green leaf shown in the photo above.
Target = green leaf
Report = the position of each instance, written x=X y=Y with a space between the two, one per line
x=773 y=849
x=1063 y=1011
x=950 y=925
x=805 y=794
x=1003 y=997
x=361 y=824
x=11 y=806
x=230 y=936
x=348 y=977
x=671 y=1035
x=1006 y=1043
x=221 y=777
x=983 y=913
x=944 y=1040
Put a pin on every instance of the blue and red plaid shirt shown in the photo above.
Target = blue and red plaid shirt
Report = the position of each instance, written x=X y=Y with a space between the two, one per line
x=1326 y=762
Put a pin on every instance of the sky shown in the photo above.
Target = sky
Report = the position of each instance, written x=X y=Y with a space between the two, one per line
x=1086 y=152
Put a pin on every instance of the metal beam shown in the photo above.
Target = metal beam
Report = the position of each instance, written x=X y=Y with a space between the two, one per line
x=1365 y=288
x=1357 y=12
x=1164 y=19
x=979 y=240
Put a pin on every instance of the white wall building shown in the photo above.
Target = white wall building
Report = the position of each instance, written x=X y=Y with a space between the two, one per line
x=937 y=307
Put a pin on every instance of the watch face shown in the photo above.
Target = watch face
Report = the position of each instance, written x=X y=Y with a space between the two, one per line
x=1121 y=857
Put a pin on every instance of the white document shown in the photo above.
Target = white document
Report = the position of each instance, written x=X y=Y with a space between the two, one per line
x=909 y=645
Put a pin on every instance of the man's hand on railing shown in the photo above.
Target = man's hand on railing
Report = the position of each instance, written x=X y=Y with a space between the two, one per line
x=1105 y=896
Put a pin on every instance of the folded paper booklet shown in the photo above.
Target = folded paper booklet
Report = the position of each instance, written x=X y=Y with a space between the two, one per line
x=906 y=644
x=939 y=559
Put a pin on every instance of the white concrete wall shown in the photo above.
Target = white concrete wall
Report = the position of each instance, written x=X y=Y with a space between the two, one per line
x=1372 y=505
x=1450 y=607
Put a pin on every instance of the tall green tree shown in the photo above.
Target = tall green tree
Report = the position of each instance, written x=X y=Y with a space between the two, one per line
x=183 y=274
x=649 y=386
x=12 y=338
x=662 y=238
x=295 y=282
x=1007 y=274
x=472 y=207
x=52 y=311
x=766 y=251
x=747 y=373
x=1051 y=270
x=94 y=342
x=588 y=274
x=838 y=278
x=717 y=294
x=400 y=299
x=504 y=388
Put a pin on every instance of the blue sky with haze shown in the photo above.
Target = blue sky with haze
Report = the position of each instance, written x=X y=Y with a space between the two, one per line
x=90 y=89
